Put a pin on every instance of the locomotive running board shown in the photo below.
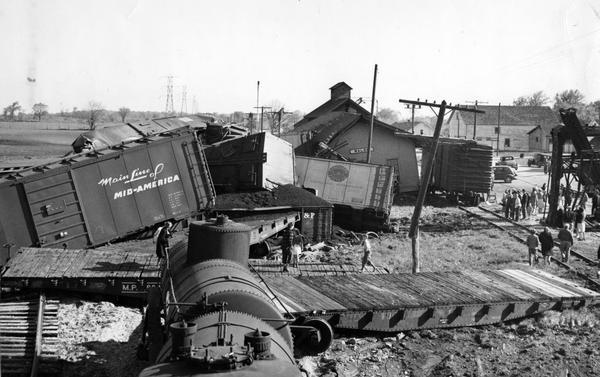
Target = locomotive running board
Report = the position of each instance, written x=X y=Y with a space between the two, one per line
x=400 y=302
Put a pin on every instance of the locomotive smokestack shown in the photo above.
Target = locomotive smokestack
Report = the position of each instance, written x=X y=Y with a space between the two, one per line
x=220 y=238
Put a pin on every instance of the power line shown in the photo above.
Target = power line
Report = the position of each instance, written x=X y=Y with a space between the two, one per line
x=476 y=102
x=169 y=105
x=183 y=100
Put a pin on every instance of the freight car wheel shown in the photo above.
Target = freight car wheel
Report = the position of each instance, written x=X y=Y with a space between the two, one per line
x=325 y=335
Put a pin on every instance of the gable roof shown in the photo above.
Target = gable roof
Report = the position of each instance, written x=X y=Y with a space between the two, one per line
x=407 y=126
x=514 y=115
x=336 y=120
x=533 y=129
x=341 y=83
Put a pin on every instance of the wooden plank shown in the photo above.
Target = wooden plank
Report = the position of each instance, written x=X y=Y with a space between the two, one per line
x=534 y=281
x=565 y=283
x=509 y=290
x=300 y=295
x=453 y=282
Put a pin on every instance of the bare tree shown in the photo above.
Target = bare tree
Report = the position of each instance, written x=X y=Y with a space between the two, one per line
x=39 y=110
x=95 y=112
x=568 y=98
x=538 y=98
x=10 y=110
x=123 y=111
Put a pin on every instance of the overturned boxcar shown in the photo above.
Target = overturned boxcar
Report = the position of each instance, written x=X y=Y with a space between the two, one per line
x=254 y=162
x=92 y=198
x=362 y=194
x=462 y=168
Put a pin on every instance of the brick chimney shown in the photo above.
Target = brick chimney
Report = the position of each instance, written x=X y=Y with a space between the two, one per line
x=340 y=90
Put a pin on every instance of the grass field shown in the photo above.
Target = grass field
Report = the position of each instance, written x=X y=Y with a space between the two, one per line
x=24 y=144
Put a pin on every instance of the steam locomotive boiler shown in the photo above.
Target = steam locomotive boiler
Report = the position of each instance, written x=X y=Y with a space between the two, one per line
x=213 y=317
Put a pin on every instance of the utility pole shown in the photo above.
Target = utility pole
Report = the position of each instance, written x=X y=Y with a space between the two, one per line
x=412 y=117
x=426 y=175
x=262 y=109
x=280 y=114
x=476 y=102
x=498 y=138
x=257 y=96
x=372 y=116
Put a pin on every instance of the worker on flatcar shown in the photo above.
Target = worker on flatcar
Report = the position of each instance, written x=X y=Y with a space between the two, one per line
x=286 y=245
x=162 y=236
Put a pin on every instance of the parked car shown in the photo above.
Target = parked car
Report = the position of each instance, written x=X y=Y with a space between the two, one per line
x=539 y=159
x=508 y=161
x=504 y=173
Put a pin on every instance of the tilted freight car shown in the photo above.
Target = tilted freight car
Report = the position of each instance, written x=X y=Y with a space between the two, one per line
x=362 y=194
x=254 y=162
x=462 y=168
x=92 y=198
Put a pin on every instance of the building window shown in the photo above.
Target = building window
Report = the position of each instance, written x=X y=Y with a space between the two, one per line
x=506 y=142
x=479 y=138
x=496 y=130
x=537 y=139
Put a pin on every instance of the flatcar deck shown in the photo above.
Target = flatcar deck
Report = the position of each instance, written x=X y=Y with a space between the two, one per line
x=269 y=267
x=98 y=271
x=396 y=302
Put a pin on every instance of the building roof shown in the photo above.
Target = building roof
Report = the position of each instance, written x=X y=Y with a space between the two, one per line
x=341 y=83
x=407 y=126
x=533 y=129
x=514 y=115
x=335 y=120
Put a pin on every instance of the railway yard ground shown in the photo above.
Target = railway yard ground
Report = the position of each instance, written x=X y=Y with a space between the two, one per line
x=99 y=338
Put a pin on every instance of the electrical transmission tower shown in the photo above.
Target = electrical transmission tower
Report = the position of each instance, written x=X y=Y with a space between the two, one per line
x=169 y=105
x=183 y=100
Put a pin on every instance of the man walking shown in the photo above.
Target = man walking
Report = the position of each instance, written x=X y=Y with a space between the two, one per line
x=366 y=259
x=566 y=241
x=547 y=244
x=580 y=224
x=532 y=245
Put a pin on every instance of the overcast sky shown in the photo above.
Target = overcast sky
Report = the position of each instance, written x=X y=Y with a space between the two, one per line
x=119 y=52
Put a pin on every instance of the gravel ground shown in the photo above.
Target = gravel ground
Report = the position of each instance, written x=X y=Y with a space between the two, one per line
x=98 y=339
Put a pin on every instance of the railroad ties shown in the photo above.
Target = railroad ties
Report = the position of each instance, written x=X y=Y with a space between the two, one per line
x=584 y=266
x=110 y=272
x=28 y=338
x=399 y=302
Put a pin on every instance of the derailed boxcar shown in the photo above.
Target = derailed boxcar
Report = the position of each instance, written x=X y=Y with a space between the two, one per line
x=254 y=162
x=462 y=168
x=362 y=194
x=92 y=198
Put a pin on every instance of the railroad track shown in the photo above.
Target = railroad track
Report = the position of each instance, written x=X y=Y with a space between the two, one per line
x=583 y=266
x=28 y=337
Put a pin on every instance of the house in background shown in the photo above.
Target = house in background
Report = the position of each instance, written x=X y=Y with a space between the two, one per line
x=340 y=127
x=507 y=128
x=421 y=128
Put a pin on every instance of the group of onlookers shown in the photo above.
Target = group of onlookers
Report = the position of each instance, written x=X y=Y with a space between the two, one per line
x=522 y=204
x=545 y=241
x=570 y=221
